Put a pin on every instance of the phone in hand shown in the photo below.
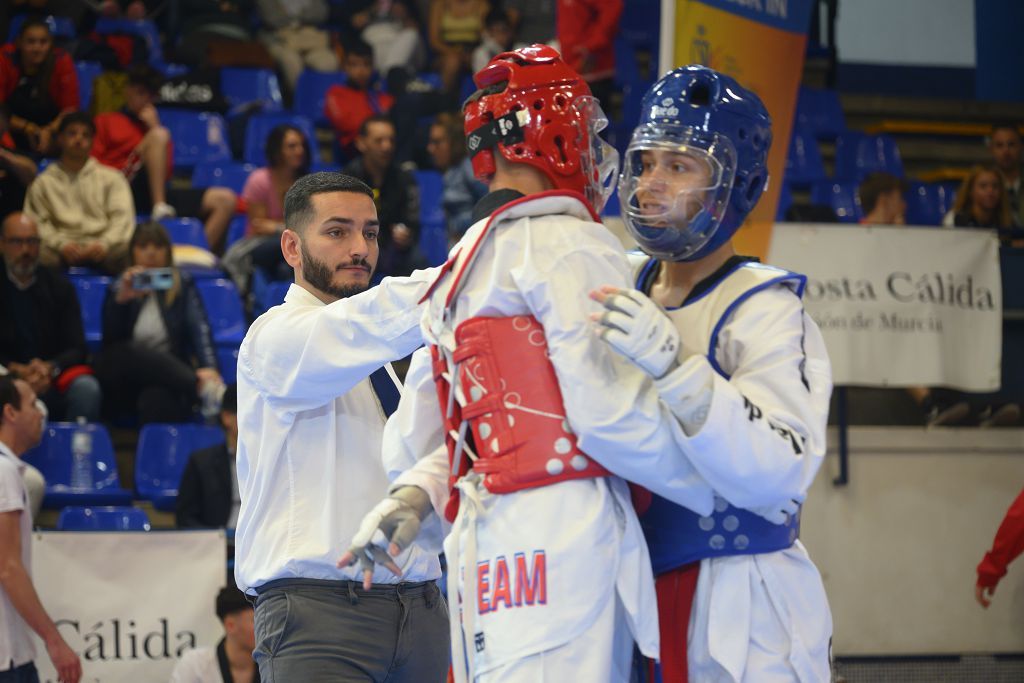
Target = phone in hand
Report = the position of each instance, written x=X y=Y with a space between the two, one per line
x=153 y=279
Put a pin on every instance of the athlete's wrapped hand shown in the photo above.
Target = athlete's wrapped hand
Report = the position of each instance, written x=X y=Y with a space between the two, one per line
x=394 y=522
x=638 y=328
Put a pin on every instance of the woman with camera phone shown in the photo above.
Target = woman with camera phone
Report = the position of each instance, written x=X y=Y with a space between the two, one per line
x=158 y=359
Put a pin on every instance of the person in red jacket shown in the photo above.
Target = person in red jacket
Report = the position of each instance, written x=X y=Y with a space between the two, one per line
x=347 y=106
x=40 y=86
x=133 y=141
x=1007 y=545
x=586 y=31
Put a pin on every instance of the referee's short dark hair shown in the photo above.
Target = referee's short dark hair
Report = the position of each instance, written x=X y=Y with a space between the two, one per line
x=231 y=600
x=298 y=201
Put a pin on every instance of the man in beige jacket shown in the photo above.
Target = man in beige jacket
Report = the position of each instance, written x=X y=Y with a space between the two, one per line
x=84 y=209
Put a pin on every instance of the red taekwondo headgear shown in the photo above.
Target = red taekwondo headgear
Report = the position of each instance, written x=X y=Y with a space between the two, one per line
x=535 y=110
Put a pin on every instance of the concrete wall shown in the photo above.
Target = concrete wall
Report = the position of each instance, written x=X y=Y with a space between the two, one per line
x=898 y=546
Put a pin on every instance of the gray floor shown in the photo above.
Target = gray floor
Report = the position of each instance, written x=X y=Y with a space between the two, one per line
x=968 y=669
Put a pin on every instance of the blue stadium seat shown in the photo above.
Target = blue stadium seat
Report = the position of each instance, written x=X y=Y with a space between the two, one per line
x=147 y=31
x=272 y=294
x=161 y=457
x=198 y=136
x=858 y=154
x=91 y=290
x=803 y=162
x=223 y=310
x=236 y=228
x=842 y=197
x=106 y=518
x=60 y=27
x=259 y=128
x=87 y=73
x=311 y=91
x=53 y=458
x=186 y=231
x=785 y=201
x=227 y=362
x=433 y=226
x=228 y=173
x=820 y=113
x=242 y=85
x=640 y=25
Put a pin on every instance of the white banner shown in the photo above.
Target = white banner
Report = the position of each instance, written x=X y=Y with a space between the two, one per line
x=129 y=603
x=901 y=306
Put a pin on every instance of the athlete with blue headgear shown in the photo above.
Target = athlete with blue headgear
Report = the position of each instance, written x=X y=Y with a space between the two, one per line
x=743 y=369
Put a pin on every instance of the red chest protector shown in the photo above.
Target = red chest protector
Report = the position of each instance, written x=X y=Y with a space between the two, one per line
x=512 y=404
x=508 y=397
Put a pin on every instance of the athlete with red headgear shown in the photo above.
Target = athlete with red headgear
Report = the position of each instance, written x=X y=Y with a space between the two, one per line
x=517 y=422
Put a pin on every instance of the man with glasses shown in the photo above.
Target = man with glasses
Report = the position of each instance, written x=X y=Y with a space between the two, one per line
x=41 y=335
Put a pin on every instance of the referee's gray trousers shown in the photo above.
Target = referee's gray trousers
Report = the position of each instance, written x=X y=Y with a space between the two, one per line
x=314 y=631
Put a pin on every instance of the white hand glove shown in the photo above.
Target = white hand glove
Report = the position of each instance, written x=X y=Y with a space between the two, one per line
x=394 y=521
x=780 y=513
x=638 y=328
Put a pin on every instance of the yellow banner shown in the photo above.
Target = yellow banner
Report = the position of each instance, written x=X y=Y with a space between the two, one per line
x=767 y=59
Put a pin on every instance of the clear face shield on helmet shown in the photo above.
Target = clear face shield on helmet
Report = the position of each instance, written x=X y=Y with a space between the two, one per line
x=675 y=188
x=599 y=161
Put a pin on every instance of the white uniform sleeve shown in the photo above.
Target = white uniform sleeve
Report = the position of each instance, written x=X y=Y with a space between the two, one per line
x=611 y=405
x=761 y=439
x=302 y=357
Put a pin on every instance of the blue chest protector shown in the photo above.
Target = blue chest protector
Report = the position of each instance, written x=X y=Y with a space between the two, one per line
x=675 y=535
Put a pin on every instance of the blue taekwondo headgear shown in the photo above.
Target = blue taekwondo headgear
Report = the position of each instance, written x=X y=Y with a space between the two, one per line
x=696 y=164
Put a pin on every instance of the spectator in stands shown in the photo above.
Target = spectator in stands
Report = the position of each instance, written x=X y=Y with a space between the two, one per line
x=395 y=193
x=455 y=28
x=40 y=86
x=150 y=337
x=21 y=428
x=498 y=36
x=288 y=155
x=981 y=202
x=1006 y=546
x=347 y=106
x=210 y=21
x=231 y=661
x=447 y=147
x=881 y=199
x=295 y=38
x=533 y=20
x=586 y=31
x=17 y=171
x=1005 y=145
x=391 y=27
x=84 y=209
x=208 y=494
x=133 y=141
x=41 y=336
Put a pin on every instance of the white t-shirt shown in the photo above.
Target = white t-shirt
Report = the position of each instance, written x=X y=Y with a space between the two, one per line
x=15 y=642
x=197 y=666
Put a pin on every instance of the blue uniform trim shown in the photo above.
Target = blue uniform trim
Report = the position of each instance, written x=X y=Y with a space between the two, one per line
x=713 y=343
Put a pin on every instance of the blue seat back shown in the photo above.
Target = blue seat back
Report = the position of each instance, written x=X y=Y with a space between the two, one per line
x=53 y=458
x=228 y=173
x=242 y=85
x=433 y=225
x=803 y=162
x=186 y=231
x=102 y=518
x=842 y=197
x=227 y=361
x=785 y=201
x=60 y=27
x=236 y=228
x=311 y=92
x=87 y=73
x=259 y=128
x=198 y=136
x=91 y=291
x=858 y=154
x=163 y=452
x=820 y=113
x=223 y=309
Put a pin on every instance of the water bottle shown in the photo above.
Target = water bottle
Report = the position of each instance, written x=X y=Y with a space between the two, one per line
x=81 y=457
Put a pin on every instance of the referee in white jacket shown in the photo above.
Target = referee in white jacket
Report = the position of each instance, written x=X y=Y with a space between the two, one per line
x=311 y=413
